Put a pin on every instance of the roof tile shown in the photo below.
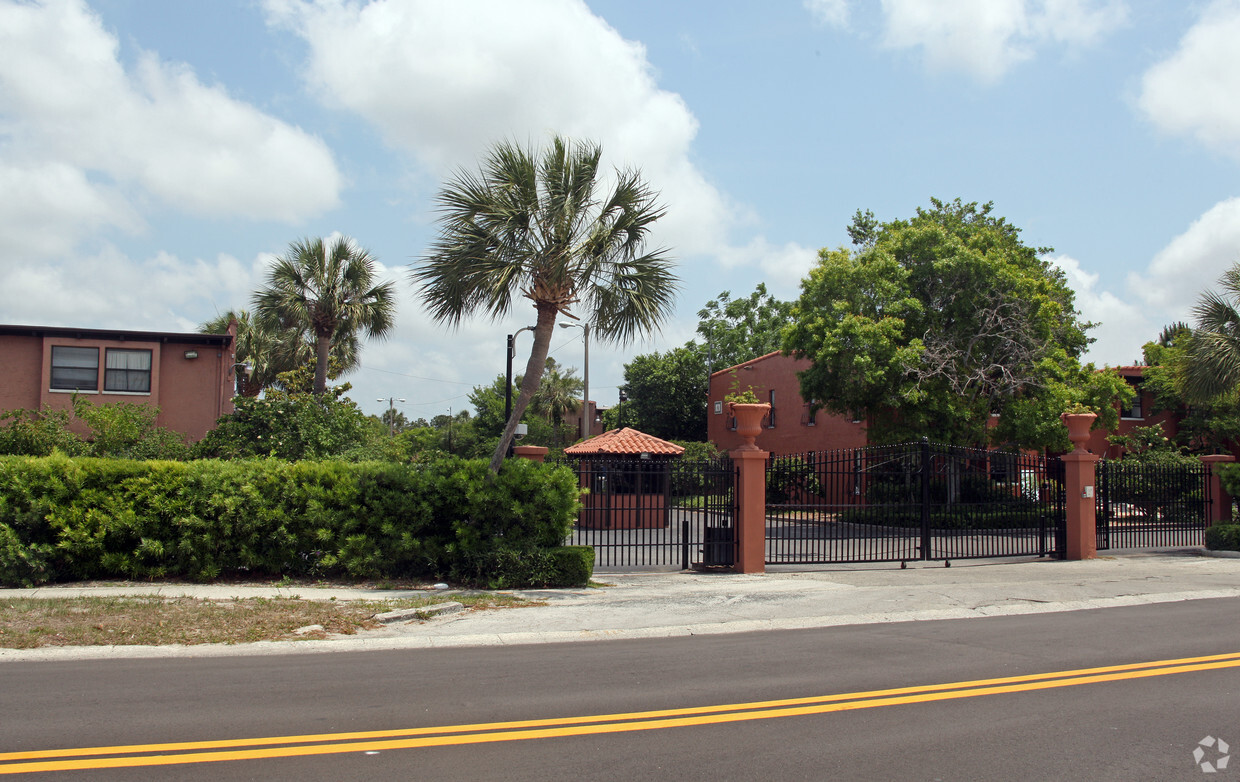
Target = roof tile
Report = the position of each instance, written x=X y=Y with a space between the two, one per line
x=624 y=442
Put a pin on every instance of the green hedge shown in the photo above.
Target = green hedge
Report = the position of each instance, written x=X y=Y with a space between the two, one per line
x=1223 y=537
x=70 y=519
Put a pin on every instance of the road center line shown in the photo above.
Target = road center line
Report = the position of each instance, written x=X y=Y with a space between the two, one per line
x=137 y=755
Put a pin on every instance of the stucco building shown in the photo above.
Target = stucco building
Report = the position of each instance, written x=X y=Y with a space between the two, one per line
x=189 y=377
x=791 y=429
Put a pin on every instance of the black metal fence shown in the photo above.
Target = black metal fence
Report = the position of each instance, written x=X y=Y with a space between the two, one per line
x=1151 y=505
x=656 y=513
x=917 y=501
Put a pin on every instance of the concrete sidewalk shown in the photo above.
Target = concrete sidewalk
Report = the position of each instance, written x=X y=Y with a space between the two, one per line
x=650 y=605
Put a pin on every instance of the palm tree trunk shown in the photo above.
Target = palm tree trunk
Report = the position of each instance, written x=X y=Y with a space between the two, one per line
x=529 y=384
x=322 y=347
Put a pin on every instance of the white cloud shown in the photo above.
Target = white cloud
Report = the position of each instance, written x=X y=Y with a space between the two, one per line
x=48 y=207
x=1191 y=262
x=1193 y=92
x=985 y=38
x=833 y=13
x=1122 y=327
x=443 y=81
x=111 y=290
x=72 y=117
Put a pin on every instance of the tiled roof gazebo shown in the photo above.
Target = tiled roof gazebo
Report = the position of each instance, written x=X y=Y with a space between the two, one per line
x=628 y=477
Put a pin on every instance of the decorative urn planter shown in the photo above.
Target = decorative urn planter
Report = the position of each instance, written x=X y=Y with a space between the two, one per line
x=1078 y=427
x=749 y=421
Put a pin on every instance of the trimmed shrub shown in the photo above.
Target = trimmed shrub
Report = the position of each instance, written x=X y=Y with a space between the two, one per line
x=63 y=518
x=574 y=565
x=1223 y=537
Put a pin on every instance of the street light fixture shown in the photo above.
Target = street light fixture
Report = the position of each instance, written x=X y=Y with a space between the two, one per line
x=585 y=393
x=512 y=351
x=391 y=413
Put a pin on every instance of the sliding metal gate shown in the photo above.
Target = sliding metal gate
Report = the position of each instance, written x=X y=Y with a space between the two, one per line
x=916 y=501
x=652 y=513
x=1151 y=505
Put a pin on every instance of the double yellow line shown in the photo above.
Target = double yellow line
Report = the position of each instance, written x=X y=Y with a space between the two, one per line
x=135 y=755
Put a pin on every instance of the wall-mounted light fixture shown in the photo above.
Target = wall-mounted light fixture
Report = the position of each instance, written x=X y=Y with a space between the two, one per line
x=191 y=354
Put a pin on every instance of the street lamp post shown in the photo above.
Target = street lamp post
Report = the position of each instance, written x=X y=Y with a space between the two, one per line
x=512 y=351
x=391 y=400
x=585 y=385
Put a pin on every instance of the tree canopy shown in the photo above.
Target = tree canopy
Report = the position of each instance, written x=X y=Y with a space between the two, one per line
x=534 y=225
x=736 y=330
x=328 y=292
x=667 y=393
x=1212 y=355
x=1203 y=426
x=934 y=323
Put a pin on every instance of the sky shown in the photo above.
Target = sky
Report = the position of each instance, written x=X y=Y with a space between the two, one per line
x=156 y=156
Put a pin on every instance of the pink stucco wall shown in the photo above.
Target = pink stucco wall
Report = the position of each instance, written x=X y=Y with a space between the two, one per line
x=794 y=430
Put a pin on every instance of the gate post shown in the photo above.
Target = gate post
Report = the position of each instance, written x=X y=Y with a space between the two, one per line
x=1220 y=505
x=1079 y=477
x=750 y=510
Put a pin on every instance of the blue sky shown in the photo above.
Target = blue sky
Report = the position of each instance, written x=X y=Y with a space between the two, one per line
x=155 y=156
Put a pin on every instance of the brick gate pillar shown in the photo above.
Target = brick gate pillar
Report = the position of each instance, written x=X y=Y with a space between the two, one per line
x=750 y=510
x=1220 y=508
x=1079 y=482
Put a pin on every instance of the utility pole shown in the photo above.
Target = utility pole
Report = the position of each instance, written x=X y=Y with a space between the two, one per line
x=391 y=400
x=587 y=420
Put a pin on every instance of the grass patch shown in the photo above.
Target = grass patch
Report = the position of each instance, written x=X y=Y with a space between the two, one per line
x=30 y=623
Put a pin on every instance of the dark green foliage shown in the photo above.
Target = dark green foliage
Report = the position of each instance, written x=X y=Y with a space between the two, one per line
x=33 y=433
x=509 y=568
x=64 y=519
x=790 y=478
x=573 y=565
x=1223 y=537
x=288 y=426
x=121 y=430
x=734 y=331
x=667 y=393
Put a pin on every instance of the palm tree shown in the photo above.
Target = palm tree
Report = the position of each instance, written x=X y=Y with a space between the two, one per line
x=1213 y=357
x=266 y=348
x=558 y=394
x=328 y=293
x=535 y=226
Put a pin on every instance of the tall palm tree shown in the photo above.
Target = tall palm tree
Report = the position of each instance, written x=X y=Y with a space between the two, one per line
x=535 y=225
x=327 y=292
x=1213 y=357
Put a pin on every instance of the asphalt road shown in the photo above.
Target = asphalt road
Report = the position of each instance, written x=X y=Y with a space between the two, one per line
x=1130 y=722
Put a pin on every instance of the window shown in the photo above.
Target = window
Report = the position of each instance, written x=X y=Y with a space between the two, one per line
x=718 y=408
x=75 y=369
x=1134 y=409
x=128 y=370
x=770 y=416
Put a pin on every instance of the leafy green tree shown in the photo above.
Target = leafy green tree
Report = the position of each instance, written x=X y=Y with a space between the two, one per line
x=736 y=330
x=289 y=426
x=329 y=293
x=1212 y=425
x=535 y=225
x=937 y=322
x=667 y=393
x=1212 y=365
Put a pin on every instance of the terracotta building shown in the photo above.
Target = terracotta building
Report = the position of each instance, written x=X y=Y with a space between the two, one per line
x=189 y=377
x=791 y=429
